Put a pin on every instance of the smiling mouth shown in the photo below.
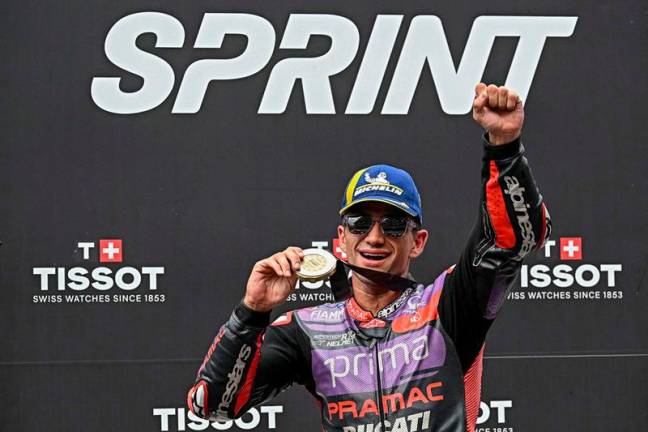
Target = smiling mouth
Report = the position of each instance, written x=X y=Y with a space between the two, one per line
x=374 y=256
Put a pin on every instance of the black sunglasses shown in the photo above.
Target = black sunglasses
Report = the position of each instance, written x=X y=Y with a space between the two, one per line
x=392 y=226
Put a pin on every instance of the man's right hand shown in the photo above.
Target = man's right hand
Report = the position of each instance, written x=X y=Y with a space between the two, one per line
x=273 y=279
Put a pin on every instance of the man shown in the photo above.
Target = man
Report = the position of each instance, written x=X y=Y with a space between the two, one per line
x=393 y=357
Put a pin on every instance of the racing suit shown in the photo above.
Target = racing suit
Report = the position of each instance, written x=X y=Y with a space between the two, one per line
x=414 y=366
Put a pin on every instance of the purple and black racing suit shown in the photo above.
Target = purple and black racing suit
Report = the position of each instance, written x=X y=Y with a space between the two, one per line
x=416 y=365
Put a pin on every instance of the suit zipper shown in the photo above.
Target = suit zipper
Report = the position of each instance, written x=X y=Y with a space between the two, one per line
x=379 y=389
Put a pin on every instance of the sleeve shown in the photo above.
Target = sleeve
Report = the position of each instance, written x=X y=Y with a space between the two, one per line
x=513 y=221
x=248 y=363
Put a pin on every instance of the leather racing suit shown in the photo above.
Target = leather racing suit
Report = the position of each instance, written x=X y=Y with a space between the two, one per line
x=416 y=365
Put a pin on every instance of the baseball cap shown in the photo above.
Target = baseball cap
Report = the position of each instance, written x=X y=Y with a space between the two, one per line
x=386 y=184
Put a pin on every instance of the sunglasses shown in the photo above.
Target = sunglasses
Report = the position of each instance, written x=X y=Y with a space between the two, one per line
x=392 y=226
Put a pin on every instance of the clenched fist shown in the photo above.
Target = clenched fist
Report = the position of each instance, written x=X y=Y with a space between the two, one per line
x=499 y=111
x=273 y=279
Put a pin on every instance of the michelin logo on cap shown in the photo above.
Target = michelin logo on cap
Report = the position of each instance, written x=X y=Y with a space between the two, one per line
x=383 y=183
x=379 y=183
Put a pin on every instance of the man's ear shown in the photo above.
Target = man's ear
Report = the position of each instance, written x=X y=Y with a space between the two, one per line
x=341 y=238
x=420 y=240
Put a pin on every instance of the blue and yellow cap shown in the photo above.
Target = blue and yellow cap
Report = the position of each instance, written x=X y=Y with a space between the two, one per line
x=386 y=184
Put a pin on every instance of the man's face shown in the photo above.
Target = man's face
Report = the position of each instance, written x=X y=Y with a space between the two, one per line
x=376 y=250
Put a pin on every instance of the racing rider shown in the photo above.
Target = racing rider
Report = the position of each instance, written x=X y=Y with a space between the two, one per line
x=385 y=359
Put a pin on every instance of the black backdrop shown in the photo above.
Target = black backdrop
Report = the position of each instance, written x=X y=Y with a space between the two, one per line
x=196 y=198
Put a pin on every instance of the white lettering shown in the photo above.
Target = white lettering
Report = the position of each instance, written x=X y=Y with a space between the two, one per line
x=501 y=409
x=102 y=280
x=153 y=272
x=234 y=380
x=610 y=269
x=77 y=279
x=44 y=273
x=315 y=72
x=122 y=51
x=547 y=247
x=365 y=361
x=133 y=273
x=374 y=64
x=197 y=424
x=86 y=246
x=164 y=414
x=425 y=43
x=261 y=40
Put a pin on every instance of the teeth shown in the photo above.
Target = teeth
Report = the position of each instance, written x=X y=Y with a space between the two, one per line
x=373 y=256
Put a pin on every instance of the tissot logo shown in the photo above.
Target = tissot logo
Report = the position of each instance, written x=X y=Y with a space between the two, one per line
x=180 y=420
x=89 y=283
x=569 y=278
x=493 y=416
x=425 y=48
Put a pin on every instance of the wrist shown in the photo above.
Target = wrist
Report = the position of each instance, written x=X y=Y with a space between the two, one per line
x=256 y=306
x=503 y=138
x=251 y=316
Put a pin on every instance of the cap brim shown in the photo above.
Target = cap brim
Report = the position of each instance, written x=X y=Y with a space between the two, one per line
x=382 y=200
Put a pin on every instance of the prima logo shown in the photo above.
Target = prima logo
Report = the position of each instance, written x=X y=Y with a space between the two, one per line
x=425 y=45
x=341 y=366
x=234 y=380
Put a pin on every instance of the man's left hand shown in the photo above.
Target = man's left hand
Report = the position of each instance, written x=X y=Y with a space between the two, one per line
x=500 y=111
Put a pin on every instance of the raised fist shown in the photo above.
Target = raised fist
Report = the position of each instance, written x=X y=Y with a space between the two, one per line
x=499 y=111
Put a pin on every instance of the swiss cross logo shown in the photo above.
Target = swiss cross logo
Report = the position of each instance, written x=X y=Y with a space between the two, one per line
x=337 y=250
x=110 y=251
x=571 y=248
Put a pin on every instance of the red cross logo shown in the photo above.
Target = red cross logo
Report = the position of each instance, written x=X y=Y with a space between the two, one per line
x=571 y=248
x=110 y=250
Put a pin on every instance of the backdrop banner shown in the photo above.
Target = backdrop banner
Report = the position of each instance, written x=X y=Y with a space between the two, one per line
x=153 y=151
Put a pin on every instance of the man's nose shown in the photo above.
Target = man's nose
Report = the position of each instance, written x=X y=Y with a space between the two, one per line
x=375 y=234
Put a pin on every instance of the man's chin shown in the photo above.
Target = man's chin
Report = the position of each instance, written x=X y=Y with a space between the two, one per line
x=367 y=281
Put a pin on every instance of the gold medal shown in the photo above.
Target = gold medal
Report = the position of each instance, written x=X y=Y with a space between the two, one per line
x=317 y=265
